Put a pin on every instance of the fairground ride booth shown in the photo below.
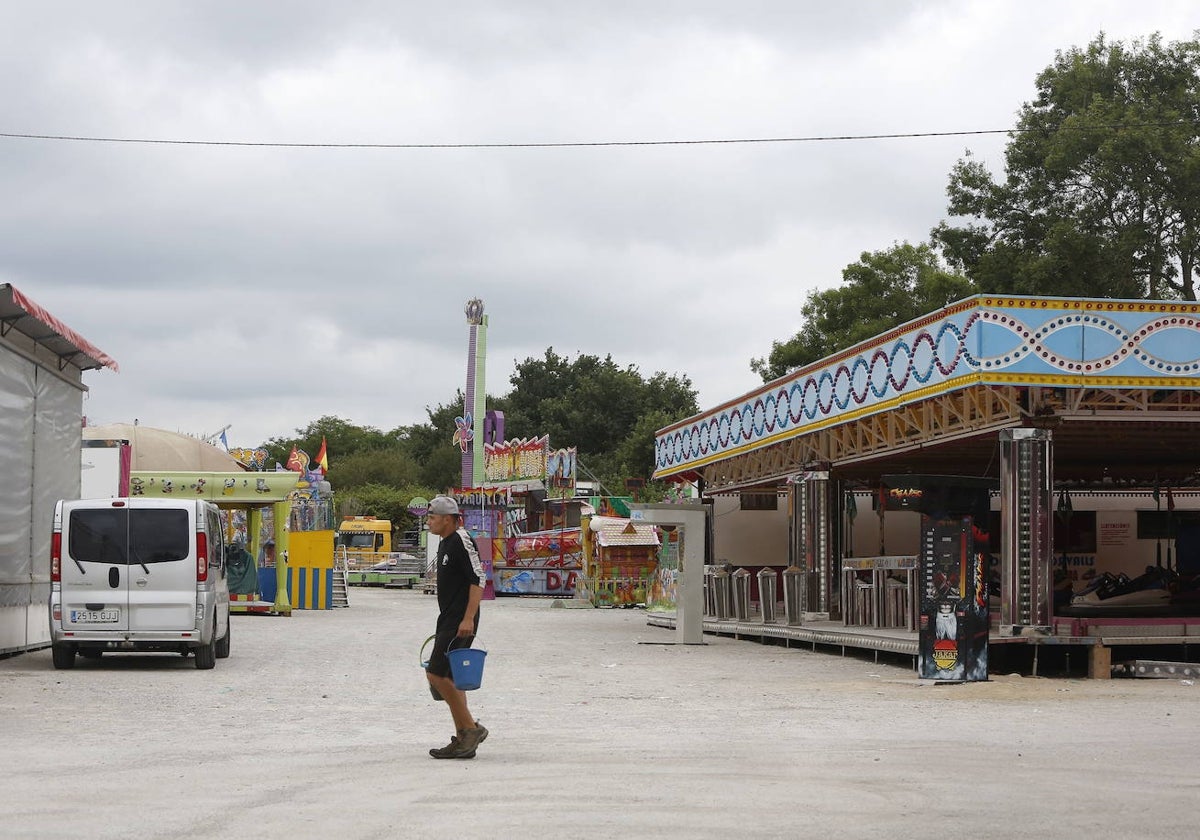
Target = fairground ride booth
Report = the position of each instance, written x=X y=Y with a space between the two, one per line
x=525 y=517
x=540 y=550
x=1084 y=414
x=41 y=411
x=529 y=545
x=620 y=558
x=301 y=573
x=260 y=509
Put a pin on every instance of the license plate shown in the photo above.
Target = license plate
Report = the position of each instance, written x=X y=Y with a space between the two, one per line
x=95 y=616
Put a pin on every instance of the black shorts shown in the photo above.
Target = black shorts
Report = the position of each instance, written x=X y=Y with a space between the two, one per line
x=439 y=665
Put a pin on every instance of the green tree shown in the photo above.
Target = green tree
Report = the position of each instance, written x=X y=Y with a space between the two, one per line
x=1102 y=190
x=390 y=466
x=342 y=438
x=633 y=457
x=880 y=291
x=608 y=412
x=383 y=501
x=431 y=446
x=590 y=403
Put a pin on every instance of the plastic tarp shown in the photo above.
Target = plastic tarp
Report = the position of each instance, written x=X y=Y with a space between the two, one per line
x=39 y=463
x=17 y=394
x=56 y=458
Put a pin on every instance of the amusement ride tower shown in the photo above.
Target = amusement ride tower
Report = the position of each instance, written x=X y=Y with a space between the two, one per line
x=468 y=434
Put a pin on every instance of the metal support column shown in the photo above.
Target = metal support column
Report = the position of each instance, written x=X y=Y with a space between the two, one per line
x=812 y=509
x=1026 y=530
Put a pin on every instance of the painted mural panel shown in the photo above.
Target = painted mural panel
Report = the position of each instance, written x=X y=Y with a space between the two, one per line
x=517 y=459
x=217 y=487
x=560 y=582
x=545 y=549
x=560 y=473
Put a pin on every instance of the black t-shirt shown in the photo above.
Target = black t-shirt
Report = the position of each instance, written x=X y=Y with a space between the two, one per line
x=458 y=569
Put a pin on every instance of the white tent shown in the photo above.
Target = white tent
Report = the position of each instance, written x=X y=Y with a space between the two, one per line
x=158 y=449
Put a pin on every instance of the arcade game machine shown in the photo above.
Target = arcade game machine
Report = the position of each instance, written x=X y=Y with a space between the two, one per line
x=953 y=590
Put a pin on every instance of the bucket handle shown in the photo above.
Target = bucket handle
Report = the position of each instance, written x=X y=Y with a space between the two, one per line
x=451 y=646
x=421 y=656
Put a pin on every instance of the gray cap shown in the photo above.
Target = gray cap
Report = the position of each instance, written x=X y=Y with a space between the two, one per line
x=443 y=506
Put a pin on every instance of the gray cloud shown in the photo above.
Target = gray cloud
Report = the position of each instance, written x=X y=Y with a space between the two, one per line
x=331 y=281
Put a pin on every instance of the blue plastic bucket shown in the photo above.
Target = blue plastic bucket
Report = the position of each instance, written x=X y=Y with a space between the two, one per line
x=466 y=666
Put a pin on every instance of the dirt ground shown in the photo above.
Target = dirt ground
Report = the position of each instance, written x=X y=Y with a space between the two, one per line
x=319 y=725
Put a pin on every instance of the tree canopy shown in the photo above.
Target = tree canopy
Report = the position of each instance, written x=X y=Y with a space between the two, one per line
x=881 y=290
x=1101 y=196
x=589 y=402
x=374 y=472
x=607 y=411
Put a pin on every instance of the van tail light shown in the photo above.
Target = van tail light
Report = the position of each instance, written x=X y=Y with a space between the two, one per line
x=201 y=556
x=56 y=557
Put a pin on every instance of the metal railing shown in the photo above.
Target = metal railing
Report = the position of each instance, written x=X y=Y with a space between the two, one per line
x=402 y=562
x=613 y=591
x=340 y=566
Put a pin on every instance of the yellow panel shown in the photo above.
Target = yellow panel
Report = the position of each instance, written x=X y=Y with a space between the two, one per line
x=313 y=549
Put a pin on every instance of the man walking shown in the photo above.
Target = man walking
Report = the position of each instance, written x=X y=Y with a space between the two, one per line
x=460 y=579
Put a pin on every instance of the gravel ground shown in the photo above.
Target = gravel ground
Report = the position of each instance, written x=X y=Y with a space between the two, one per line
x=319 y=725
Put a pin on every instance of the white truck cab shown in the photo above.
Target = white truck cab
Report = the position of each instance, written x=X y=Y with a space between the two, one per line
x=138 y=574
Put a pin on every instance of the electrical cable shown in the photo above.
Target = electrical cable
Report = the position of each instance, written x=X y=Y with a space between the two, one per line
x=587 y=144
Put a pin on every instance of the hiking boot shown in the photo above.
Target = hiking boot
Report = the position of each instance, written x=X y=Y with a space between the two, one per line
x=483 y=733
x=455 y=749
x=469 y=739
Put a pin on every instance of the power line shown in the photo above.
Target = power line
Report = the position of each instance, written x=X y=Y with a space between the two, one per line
x=827 y=138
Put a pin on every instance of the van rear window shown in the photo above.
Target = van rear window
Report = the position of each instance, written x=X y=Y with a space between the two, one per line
x=125 y=537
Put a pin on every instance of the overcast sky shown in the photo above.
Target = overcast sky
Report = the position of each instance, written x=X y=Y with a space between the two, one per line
x=266 y=287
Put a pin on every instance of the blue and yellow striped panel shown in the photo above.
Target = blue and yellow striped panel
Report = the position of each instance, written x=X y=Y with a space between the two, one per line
x=310 y=589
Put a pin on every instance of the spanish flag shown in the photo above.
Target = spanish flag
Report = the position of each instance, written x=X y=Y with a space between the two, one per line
x=323 y=458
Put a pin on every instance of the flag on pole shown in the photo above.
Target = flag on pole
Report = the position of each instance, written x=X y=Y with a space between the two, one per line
x=224 y=440
x=323 y=457
x=294 y=461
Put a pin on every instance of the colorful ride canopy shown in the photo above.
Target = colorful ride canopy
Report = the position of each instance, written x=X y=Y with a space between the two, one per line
x=1005 y=344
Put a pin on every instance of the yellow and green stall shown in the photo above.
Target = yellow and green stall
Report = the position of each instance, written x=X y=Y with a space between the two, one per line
x=302 y=576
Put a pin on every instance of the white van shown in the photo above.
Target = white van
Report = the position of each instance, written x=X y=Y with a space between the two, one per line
x=138 y=575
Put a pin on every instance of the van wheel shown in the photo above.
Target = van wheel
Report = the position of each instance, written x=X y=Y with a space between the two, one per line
x=63 y=655
x=223 y=642
x=206 y=655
